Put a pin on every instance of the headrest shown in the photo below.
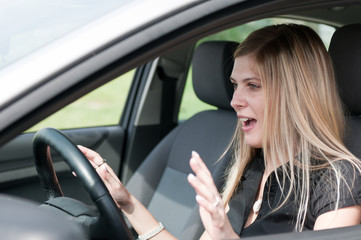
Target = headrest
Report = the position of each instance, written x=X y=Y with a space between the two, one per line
x=345 y=51
x=212 y=68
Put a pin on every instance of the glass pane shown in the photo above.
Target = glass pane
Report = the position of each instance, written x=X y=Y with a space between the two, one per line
x=29 y=24
x=191 y=104
x=102 y=107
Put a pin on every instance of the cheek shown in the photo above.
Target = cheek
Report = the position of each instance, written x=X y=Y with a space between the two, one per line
x=259 y=107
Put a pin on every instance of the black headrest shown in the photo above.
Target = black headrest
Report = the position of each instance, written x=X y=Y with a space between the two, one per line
x=345 y=51
x=212 y=68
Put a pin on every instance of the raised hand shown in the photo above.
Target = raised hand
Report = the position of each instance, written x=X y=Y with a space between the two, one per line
x=211 y=208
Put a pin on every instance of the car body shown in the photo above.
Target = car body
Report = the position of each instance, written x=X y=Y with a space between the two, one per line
x=55 y=53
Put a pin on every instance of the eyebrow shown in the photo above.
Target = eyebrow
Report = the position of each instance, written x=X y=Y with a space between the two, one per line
x=245 y=79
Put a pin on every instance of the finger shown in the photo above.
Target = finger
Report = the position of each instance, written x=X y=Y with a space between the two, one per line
x=92 y=156
x=203 y=182
x=201 y=172
x=216 y=212
x=198 y=165
x=211 y=207
x=98 y=162
x=103 y=174
x=109 y=176
x=202 y=189
x=203 y=176
x=111 y=171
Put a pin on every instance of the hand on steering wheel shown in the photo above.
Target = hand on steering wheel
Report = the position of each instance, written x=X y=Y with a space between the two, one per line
x=116 y=189
x=108 y=209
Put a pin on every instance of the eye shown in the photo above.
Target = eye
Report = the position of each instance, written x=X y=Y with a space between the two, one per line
x=234 y=85
x=253 y=85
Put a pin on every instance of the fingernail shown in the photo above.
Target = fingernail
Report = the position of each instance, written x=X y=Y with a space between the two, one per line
x=195 y=154
x=191 y=176
x=199 y=198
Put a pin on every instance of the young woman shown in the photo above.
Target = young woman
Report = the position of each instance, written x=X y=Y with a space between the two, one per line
x=291 y=170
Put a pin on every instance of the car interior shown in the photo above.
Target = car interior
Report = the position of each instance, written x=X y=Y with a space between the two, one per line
x=346 y=61
x=212 y=66
x=149 y=144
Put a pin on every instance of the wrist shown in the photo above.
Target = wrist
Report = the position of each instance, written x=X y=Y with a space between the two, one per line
x=127 y=205
x=231 y=234
x=152 y=233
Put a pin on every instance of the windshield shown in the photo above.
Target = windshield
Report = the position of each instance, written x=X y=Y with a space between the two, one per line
x=27 y=25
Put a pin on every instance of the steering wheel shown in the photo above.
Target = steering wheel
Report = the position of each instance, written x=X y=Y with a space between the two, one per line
x=108 y=211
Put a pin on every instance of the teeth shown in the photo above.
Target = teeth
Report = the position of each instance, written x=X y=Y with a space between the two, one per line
x=245 y=119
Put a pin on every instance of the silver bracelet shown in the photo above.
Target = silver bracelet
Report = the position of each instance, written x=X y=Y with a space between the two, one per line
x=152 y=233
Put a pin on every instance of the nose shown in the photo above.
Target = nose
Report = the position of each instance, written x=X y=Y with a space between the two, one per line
x=238 y=100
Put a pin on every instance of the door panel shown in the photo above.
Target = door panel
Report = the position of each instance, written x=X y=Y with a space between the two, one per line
x=18 y=175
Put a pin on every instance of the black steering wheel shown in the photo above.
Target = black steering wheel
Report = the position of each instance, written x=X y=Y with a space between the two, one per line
x=108 y=211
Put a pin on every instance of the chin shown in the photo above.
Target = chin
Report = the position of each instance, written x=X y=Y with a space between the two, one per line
x=254 y=144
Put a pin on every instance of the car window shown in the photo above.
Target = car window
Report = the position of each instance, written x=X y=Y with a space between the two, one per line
x=101 y=107
x=191 y=105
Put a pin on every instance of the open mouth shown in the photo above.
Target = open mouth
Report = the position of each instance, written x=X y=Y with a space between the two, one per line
x=248 y=122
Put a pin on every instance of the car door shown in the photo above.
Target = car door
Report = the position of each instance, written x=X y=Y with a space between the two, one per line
x=122 y=120
x=95 y=121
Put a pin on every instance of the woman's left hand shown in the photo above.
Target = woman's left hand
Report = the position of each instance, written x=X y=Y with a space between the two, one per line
x=116 y=189
x=211 y=208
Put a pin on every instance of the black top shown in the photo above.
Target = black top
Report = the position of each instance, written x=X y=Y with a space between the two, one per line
x=322 y=199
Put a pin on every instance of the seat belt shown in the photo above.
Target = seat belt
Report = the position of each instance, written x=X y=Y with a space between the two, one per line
x=168 y=100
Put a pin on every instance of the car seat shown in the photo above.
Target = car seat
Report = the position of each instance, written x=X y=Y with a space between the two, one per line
x=345 y=52
x=160 y=183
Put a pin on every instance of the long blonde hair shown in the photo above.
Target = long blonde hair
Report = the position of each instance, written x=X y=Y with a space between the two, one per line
x=303 y=113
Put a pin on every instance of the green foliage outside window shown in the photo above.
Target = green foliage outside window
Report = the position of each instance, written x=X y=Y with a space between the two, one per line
x=102 y=107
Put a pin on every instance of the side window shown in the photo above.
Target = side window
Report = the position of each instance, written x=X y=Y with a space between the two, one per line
x=101 y=107
x=191 y=105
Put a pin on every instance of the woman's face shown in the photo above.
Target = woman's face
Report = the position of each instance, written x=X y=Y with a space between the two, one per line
x=247 y=100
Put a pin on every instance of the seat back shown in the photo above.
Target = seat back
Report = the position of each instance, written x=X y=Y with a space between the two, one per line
x=160 y=183
x=345 y=51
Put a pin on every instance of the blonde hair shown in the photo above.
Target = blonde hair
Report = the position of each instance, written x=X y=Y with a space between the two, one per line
x=303 y=113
